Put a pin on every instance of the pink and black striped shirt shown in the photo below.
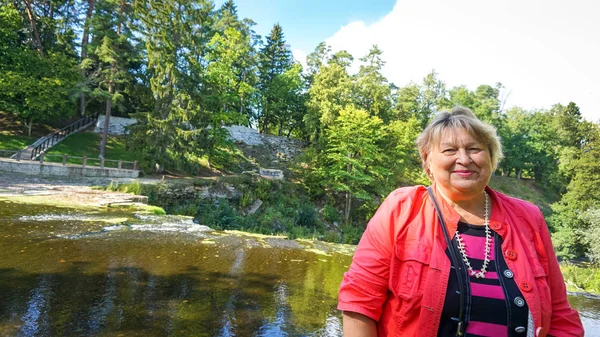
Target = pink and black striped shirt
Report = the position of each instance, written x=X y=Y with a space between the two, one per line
x=494 y=304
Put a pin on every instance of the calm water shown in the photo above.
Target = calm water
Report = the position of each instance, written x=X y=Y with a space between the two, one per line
x=66 y=272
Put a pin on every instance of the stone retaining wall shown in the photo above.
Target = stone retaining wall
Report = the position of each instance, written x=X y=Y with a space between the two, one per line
x=116 y=125
x=57 y=169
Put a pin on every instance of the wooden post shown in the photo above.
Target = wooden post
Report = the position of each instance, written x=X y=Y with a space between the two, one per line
x=84 y=160
x=101 y=162
x=64 y=159
x=135 y=165
x=42 y=158
x=120 y=163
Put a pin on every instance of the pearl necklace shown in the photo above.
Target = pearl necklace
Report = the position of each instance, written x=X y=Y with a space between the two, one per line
x=488 y=240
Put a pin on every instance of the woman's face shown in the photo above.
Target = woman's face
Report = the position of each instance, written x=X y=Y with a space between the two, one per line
x=460 y=165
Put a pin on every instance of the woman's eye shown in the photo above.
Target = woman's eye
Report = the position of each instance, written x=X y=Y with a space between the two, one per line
x=449 y=151
x=474 y=149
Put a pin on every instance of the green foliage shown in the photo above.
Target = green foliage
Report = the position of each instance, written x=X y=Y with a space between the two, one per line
x=331 y=214
x=352 y=162
x=582 y=277
x=351 y=234
x=34 y=86
x=281 y=87
x=308 y=217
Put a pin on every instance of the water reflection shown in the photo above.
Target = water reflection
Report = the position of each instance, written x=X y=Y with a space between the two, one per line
x=148 y=283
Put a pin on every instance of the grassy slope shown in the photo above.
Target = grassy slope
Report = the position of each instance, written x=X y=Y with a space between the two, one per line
x=12 y=142
x=87 y=143
x=525 y=189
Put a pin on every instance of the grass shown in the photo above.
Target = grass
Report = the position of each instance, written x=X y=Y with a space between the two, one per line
x=525 y=189
x=87 y=144
x=13 y=142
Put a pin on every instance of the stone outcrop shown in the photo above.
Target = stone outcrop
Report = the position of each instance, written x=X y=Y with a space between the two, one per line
x=116 y=125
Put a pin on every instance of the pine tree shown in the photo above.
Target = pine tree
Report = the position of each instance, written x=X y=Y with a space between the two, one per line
x=275 y=59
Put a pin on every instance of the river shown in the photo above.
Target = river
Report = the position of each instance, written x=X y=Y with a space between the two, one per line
x=82 y=272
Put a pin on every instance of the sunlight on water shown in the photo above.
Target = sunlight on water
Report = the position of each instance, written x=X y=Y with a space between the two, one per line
x=67 y=273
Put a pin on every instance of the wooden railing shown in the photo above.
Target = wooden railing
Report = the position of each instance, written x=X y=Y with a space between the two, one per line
x=61 y=134
x=74 y=160
x=87 y=162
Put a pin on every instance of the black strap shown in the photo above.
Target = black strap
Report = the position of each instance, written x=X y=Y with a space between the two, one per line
x=456 y=262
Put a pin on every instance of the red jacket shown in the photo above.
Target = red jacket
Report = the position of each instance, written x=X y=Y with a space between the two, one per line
x=399 y=272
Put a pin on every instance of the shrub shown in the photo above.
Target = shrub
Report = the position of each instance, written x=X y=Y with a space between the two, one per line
x=308 y=217
x=332 y=236
x=331 y=214
x=351 y=234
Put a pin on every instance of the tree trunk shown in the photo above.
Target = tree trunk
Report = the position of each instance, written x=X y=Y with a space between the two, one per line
x=28 y=125
x=347 y=206
x=84 y=42
x=280 y=128
x=36 y=37
x=106 y=120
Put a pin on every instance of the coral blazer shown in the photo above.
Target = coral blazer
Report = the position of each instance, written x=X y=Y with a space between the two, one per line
x=399 y=273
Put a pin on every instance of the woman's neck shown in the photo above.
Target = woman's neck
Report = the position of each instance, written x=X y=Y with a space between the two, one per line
x=471 y=210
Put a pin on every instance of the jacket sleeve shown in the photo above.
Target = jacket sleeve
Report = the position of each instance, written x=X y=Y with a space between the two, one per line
x=364 y=287
x=565 y=320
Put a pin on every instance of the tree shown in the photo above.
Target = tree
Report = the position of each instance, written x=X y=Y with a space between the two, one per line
x=330 y=93
x=372 y=90
x=275 y=59
x=352 y=162
x=575 y=214
x=176 y=131
x=433 y=96
x=407 y=102
x=34 y=86
x=84 y=44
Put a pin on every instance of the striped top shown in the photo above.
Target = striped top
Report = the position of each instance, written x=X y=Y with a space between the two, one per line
x=494 y=304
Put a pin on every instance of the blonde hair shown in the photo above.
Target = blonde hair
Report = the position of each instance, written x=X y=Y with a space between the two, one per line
x=459 y=118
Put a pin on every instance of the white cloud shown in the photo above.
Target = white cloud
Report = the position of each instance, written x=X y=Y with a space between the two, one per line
x=544 y=52
x=300 y=56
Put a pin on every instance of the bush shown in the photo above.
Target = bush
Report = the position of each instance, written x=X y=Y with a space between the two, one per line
x=219 y=215
x=188 y=209
x=331 y=214
x=332 y=236
x=274 y=221
x=351 y=234
x=308 y=217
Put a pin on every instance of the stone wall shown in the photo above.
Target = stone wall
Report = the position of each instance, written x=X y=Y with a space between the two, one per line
x=283 y=147
x=56 y=169
x=116 y=125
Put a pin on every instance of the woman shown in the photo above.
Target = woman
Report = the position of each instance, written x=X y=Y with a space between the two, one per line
x=457 y=259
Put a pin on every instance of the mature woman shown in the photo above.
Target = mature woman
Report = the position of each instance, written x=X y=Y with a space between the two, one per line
x=457 y=258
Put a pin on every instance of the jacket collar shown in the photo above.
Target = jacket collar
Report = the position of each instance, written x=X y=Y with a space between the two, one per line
x=451 y=217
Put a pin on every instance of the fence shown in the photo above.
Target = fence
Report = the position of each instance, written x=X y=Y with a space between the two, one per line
x=61 y=134
x=87 y=162
x=74 y=160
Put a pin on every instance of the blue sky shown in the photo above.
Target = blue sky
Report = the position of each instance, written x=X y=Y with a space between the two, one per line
x=542 y=51
x=307 y=22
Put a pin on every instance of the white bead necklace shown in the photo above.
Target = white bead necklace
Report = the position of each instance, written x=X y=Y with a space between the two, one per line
x=488 y=241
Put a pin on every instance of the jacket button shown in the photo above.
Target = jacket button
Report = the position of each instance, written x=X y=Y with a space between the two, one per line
x=508 y=273
x=525 y=286
x=496 y=226
x=519 y=302
x=511 y=254
x=520 y=329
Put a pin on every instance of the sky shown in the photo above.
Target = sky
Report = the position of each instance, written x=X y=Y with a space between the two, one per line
x=543 y=52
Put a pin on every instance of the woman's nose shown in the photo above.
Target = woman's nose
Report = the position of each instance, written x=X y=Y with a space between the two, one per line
x=464 y=158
